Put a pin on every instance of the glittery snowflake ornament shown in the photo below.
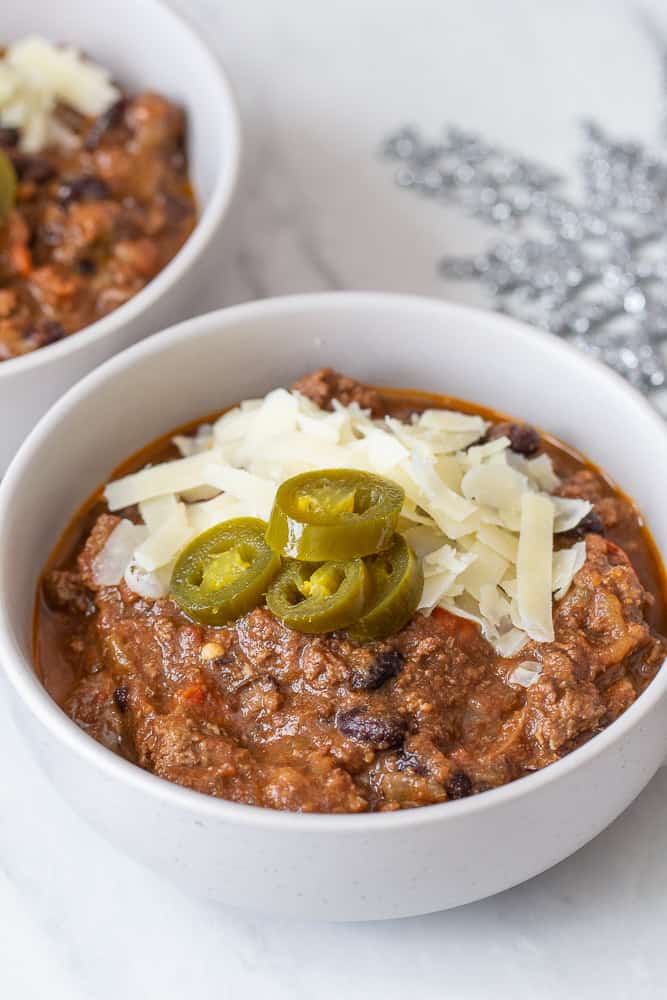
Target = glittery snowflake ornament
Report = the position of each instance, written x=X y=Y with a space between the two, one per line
x=590 y=269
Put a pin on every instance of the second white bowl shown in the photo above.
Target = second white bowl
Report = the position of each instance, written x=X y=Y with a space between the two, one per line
x=146 y=46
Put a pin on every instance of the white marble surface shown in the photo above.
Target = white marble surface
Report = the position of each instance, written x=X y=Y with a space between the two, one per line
x=319 y=85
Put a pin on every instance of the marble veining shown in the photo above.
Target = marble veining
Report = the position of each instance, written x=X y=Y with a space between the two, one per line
x=319 y=86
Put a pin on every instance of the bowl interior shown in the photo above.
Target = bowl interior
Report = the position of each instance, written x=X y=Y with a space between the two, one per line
x=146 y=47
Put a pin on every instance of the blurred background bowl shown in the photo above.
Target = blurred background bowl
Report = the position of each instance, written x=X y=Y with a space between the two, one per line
x=146 y=46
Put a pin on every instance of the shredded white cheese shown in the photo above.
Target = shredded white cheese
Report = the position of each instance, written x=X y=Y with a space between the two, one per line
x=35 y=76
x=111 y=562
x=158 y=480
x=165 y=542
x=479 y=517
x=534 y=566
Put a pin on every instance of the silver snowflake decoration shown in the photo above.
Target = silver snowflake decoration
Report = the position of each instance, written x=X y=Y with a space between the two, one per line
x=591 y=269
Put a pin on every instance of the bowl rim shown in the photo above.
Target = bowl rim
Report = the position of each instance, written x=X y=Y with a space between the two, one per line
x=20 y=671
x=196 y=243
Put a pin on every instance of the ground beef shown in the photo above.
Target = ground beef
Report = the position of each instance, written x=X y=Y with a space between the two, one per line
x=257 y=713
x=325 y=385
x=613 y=514
x=65 y=590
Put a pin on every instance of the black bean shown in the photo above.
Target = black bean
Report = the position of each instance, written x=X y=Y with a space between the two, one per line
x=590 y=524
x=9 y=137
x=87 y=266
x=459 y=786
x=33 y=168
x=52 y=236
x=109 y=119
x=179 y=160
x=524 y=439
x=120 y=696
x=406 y=760
x=382 y=733
x=176 y=210
x=384 y=666
x=86 y=188
x=49 y=331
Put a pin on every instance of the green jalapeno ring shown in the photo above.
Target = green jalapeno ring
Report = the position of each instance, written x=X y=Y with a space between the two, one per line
x=224 y=572
x=314 y=598
x=7 y=186
x=334 y=514
x=397 y=584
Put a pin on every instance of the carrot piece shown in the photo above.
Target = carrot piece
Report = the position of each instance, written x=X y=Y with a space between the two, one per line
x=195 y=694
x=21 y=259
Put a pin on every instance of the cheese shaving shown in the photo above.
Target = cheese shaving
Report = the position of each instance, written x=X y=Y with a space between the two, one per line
x=501 y=541
x=479 y=517
x=487 y=568
x=111 y=562
x=534 y=566
x=158 y=480
x=166 y=541
x=35 y=76
x=566 y=564
x=153 y=585
x=511 y=642
x=569 y=511
x=498 y=486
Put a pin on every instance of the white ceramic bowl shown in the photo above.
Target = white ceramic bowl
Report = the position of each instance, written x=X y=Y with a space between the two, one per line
x=337 y=867
x=146 y=46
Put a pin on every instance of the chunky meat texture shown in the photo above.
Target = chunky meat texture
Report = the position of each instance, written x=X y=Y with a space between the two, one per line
x=325 y=385
x=92 y=224
x=260 y=714
x=613 y=511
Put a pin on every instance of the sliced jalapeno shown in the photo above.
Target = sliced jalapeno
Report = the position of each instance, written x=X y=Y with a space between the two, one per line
x=224 y=572
x=311 y=598
x=396 y=585
x=334 y=514
x=7 y=186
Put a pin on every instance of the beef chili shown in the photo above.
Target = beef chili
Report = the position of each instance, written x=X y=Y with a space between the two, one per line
x=258 y=712
x=93 y=220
